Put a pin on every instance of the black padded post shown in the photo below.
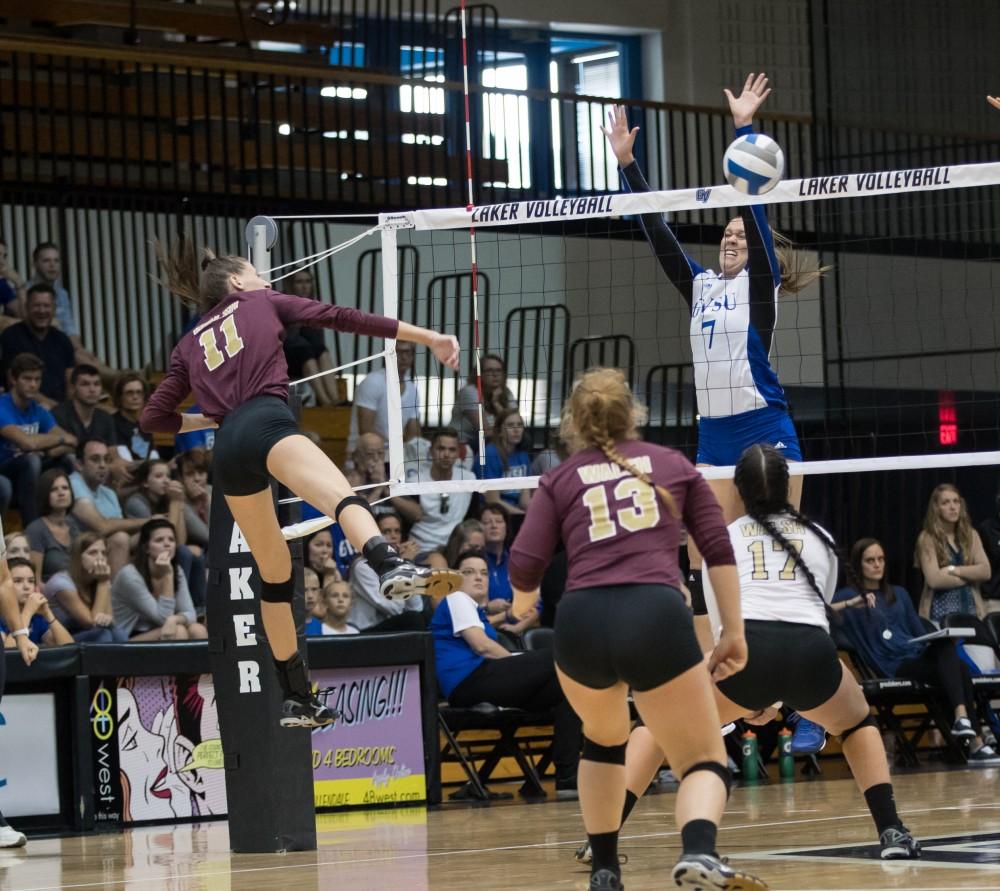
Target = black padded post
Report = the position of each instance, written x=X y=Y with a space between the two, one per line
x=269 y=777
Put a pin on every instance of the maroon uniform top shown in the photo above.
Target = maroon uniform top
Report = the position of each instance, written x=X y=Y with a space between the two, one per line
x=235 y=353
x=616 y=529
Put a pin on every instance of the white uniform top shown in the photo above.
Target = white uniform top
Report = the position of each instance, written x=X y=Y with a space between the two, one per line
x=732 y=373
x=772 y=587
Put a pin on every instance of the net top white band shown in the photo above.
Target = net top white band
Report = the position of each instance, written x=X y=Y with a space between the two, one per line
x=795 y=468
x=846 y=185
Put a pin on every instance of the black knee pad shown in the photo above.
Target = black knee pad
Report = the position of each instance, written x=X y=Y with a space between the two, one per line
x=347 y=502
x=603 y=754
x=697 y=589
x=277 y=592
x=720 y=770
x=867 y=722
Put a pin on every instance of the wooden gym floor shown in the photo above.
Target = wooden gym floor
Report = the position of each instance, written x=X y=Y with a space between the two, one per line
x=802 y=835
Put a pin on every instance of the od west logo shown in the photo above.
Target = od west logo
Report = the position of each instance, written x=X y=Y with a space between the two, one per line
x=107 y=782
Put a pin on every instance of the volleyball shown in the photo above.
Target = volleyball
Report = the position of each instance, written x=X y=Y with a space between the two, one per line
x=753 y=164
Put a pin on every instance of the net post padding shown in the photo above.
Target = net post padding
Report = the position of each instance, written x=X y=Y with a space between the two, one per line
x=819 y=188
x=269 y=777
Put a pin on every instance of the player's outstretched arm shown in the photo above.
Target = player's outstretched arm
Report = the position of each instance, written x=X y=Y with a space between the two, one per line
x=994 y=101
x=744 y=106
x=444 y=346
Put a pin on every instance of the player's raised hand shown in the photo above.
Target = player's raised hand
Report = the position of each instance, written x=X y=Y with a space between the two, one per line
x=994 y=101
x=619 y=136
x=446 y=350
x=728 y=657
x=744 y=106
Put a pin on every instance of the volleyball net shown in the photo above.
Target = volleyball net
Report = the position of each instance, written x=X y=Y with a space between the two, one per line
x=889 y=361
x=892 y=354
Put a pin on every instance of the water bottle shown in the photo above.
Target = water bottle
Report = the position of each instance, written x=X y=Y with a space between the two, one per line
x=751 y=762
x=786 y=763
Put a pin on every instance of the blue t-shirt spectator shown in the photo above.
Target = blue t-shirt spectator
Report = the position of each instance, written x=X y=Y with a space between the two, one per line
x=195 y=439
x=105 y=499
x=37 y=628
x=343 y=550
x=313 y=627
x=8 y=294
x=882 y=633
x=454 y=659
x=499 y=576
x=518 y=465
x=33 y=419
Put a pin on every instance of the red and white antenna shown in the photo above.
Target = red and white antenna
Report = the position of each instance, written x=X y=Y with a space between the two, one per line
x=476 y=345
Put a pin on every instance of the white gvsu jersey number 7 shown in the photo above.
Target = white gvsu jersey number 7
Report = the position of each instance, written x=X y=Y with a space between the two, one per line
x=773 y=587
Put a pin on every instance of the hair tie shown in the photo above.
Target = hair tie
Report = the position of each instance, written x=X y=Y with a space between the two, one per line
x=205 y=261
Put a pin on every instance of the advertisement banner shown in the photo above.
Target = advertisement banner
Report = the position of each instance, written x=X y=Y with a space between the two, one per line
x=157 y=752
x=29 y=769
x=375 y=753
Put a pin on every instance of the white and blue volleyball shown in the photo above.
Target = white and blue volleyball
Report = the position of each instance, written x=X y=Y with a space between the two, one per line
x=753 y=164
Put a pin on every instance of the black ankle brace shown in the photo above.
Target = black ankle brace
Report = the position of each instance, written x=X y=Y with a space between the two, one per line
x=292 y=676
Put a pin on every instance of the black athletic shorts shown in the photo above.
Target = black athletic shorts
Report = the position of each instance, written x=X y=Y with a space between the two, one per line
x=242 y=443
x=787 y=662
x=640 y=634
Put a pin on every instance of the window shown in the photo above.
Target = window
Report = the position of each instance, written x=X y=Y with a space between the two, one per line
x=506 y=132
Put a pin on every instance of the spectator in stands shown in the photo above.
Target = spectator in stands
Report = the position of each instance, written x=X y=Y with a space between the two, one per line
x=192 y=470
x=80 y=415
x=337 y=599
x=52 y=534
x=989 y=534
x=44 y=629
x=466 y=536
x=319 y=556
x=315 y=607
x=305 y=348
x=37 y=335
x=370 y=412
x=96 y=505
x=950 y=554
x=434 y=515
x=496 y=529
x=880 y=621
x=12 y=290
x=472 y=667
x=149 y=597
x=497 y=398
x=16 y=545
x=157 y=493
x=130 y=394
x=82 y=594
x=371 y=612
x=29 y=436
x=48 y=272
x=368 y=469
x=550 y=458
x=390 y=524
x=507 y=459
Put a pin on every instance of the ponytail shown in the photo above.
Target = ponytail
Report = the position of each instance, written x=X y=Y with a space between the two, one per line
x=608 y=447
x=199 y=284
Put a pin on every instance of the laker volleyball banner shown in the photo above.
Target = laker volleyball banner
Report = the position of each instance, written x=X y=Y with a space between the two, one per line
x=375 y=753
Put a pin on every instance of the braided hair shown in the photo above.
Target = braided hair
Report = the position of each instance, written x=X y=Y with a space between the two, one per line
x=762 y=480
x=602 y=411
